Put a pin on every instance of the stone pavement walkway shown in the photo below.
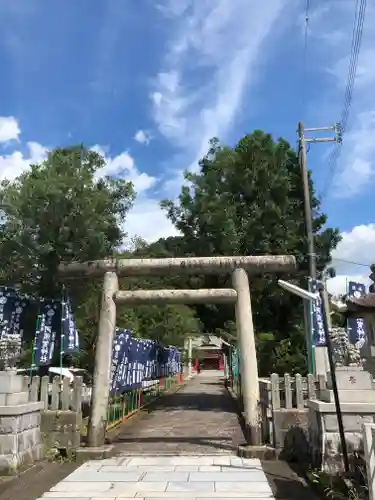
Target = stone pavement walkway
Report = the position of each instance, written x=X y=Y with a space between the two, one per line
x=184 y=448
x=200 y=418
x=178 y=477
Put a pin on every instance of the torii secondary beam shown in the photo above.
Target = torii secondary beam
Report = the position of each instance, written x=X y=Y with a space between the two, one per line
x=201 y=296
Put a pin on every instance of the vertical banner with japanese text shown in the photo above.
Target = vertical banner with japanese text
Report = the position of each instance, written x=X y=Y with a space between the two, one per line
x=69 y=332
x=49 y=323
x=356 y=326
x=318 y=332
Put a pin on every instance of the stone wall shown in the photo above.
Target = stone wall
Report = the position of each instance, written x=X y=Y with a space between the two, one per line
x=291 y=436
x=61 y=429
x=324 y=431
x=20 y=437
x=357 y=402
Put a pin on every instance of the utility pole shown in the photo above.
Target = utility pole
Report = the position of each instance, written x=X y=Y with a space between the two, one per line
x=317 y=356
x=307 y=201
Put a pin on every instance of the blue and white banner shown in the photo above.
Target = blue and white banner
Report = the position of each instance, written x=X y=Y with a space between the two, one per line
x=135 y=361
x=69 y=332
x=356 y=326
x=17 y=318
x=356 y=290
x=318 y=331
x=12 y=314
x=49 y=323
x=119 y=359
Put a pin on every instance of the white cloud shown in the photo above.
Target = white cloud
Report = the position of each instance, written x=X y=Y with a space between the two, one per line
x=357 y=167
x=365 y=70
x=339 y=284
x=148 y=221
x=124 y=165
x=357 y=251
x=16 y=162
x=222 y=40
x=142 y=136
x=13 y=164
x=145 y=219
x=9 y=129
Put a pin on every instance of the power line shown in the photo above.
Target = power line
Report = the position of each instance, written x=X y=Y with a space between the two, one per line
x=351 y=262
x=304 y=56
x=359 y=17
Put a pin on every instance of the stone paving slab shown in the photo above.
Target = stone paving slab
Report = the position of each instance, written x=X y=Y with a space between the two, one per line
x=120 y=478
x=200 y=418
x=184 y=449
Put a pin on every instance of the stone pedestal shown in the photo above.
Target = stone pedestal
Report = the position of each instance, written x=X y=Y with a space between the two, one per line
x=20 y=437
x=357 y=402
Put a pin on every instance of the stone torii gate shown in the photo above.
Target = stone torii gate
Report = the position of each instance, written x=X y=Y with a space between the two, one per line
x=239 y=295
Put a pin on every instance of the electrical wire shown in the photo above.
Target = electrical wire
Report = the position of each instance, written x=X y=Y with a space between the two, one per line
x=359 y=17
x=351 y=262
x=304 y=56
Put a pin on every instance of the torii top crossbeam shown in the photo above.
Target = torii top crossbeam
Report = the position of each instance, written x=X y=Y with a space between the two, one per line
x=190 y=265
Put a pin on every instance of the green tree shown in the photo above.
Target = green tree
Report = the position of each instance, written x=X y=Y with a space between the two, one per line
x=62 y=210
x=248 y=200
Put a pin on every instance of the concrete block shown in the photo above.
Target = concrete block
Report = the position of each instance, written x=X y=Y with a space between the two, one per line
x=165 y=476
x=239 y=476
x=332 y=443
x=30 y=420
x=21 y=409
x=8 y=463
x=10 y=425
x=8 y=444
x=96 y=487
x=17 y=398
x=352 y=423
x=28 y=438
x=31 y=455
x=87 y=476
x=351 y=379
x=10 y=382
x=99 y=452
x=349 y=396
x=188 y=487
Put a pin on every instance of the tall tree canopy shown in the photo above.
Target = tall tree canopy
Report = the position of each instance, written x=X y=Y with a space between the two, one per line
x=60 y=210
x=248 y=200
x=63 y=209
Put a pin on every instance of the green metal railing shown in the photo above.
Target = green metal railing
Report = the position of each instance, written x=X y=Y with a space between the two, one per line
x=234 y=370
x=123 y=406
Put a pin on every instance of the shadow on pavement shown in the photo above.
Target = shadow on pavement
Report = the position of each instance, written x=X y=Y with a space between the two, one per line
x=34 y=482
x=203 y=401
x=285 y=483
x=223 y=443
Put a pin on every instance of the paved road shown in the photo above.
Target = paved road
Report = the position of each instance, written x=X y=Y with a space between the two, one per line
x=198 y=419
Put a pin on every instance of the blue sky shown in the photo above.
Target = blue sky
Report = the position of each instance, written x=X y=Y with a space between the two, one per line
x=149 y=82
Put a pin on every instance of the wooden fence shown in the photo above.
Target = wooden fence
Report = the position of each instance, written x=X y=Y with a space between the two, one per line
x=282 y=395
x=289 y=392
x=56 y=394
